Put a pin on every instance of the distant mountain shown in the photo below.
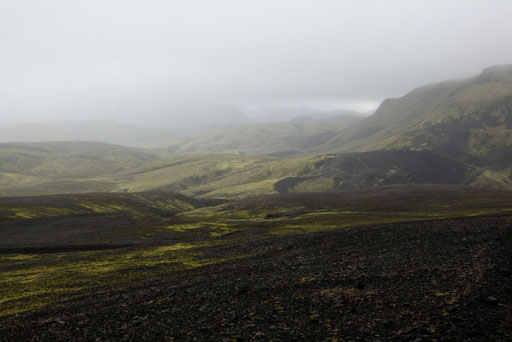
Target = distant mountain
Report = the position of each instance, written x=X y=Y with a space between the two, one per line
x=116 y=133
x=34 y=132
x=190 y=122
x=454 y=132
x=266 y=138
x=297 y=114
x=100 y=131
x=338 y=120
x=255 y=139
x=200 y=117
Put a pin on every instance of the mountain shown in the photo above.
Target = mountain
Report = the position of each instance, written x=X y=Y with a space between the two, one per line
x=283 y=138
x=469 y=119
x=296 y=114
x=116 y=133
x=332 y=119
x=255 y=139
x=199 y=117
x=194 y=122
x=455 y=132
x=34 y=132
x=100 y=131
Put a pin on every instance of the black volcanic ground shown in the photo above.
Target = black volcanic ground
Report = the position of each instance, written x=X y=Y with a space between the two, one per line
x=441 y=280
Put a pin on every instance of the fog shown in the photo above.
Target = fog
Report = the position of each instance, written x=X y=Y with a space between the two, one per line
x=158 y=63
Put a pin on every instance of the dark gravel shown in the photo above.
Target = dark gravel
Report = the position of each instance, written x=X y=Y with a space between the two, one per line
x=446 y=280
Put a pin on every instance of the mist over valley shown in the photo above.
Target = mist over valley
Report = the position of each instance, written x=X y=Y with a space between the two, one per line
x=257 y=171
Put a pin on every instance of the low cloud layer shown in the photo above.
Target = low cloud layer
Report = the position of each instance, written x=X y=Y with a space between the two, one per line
x=158 y=61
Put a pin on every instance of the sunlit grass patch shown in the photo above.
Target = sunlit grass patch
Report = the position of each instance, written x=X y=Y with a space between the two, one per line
x=101 y=208
x=56 y=277
x=29 y=212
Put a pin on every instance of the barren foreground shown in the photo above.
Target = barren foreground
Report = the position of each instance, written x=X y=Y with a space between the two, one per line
x=415 y=281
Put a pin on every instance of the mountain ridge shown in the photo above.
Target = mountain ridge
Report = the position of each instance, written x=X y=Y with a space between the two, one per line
x=427 y=107
x=458 y=130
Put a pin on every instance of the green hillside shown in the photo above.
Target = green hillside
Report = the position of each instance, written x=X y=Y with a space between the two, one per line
x=455 y=132
x=456 y=118
x=467 y=120
x=61 y=167
x=265 y=138
x=230 y=176
x=215 y=175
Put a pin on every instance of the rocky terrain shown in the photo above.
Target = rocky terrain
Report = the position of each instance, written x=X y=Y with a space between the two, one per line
x=439 y=280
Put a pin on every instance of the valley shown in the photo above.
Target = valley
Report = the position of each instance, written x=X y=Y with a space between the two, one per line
x=394 y=226
x=455 y=132
x=236 y=171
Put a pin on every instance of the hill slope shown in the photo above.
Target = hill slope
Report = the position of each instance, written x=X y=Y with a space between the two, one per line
x=466 y=120
x=94 y=220
x=470 y=120
x=52 y=168
x=61 y=167
x=455 y=132
x=230 y=176
x=266 y=138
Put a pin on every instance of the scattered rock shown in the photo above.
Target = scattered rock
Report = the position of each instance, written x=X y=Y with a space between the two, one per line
x=243 y=290
x=261 y=297
x=492 y=300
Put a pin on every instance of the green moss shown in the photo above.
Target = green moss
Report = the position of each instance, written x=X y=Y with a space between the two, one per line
x=29 y=212
x=30 y=282
x=56 y=277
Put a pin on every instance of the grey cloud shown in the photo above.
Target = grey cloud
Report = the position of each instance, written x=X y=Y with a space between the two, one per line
x=153 y=60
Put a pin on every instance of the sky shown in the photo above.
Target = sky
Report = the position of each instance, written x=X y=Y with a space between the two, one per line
x=163 y=62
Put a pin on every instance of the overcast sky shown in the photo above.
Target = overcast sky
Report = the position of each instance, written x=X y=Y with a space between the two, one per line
x=150 y=60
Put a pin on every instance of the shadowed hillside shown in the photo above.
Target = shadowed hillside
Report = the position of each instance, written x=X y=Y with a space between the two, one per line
x=91 y=221
x=299 y=213
x=120 y=169
x=451 y=118
x=466 y=120
x=239 y=176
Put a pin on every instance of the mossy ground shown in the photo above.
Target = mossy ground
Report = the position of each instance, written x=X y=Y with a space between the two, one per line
x=163 y=243
x=29 y=282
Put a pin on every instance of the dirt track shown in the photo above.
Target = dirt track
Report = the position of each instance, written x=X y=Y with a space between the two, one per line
x=422 y=281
